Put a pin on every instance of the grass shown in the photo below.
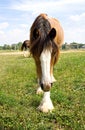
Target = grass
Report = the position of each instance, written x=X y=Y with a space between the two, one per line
x=18 y=99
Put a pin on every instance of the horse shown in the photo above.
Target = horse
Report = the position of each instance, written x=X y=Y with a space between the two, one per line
x=46 y=38
x=25 y=46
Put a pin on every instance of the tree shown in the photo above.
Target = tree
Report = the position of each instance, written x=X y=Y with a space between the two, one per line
x=19 y=45
x=74 y=45
x=13 y=46
x=6 y=47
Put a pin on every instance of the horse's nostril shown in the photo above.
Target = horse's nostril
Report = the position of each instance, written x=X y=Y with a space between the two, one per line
x=46 y=87
x=41 y=86
x=51 y=84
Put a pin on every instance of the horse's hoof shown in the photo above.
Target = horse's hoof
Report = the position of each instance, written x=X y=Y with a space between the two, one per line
x=46 y=106
x=44 y=109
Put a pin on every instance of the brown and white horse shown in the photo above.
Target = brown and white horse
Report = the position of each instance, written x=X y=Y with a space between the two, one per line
x=25 y=46
x=46 y=37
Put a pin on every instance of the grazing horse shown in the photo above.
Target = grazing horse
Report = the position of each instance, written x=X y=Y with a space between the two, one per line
x=25 y=46
x=46 y=37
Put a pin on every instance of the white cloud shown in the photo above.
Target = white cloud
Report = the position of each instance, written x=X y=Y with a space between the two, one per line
x=37 y=7
x=71 y=13
x=17 y=35
x=59 y=8
x=75 y=34
x=71 y=1
x=77 y=17
x=4 y=25
x=2 y=37
x=13 y=36
x=1 y=32
x=24 y=25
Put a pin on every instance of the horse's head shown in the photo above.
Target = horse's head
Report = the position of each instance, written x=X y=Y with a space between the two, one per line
x=47 y=58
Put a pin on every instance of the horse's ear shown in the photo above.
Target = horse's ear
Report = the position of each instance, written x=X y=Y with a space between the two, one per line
x=35 y=33
x=52 y=33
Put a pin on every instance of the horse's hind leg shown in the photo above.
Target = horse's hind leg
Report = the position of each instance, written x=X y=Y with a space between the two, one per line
x=51 y=73
x=39 y=90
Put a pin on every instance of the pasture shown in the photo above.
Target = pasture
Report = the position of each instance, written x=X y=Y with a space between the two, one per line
x=18 y=99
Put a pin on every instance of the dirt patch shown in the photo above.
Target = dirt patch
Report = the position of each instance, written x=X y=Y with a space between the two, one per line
x=26 y=52
x=11 y=53
x=72 y=51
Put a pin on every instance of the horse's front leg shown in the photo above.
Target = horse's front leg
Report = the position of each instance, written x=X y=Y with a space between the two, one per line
x=46 y=103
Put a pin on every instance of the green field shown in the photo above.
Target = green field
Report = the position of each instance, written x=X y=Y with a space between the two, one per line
x=18 y=99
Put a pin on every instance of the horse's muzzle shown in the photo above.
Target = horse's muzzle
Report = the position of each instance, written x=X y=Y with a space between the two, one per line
x=46 y=87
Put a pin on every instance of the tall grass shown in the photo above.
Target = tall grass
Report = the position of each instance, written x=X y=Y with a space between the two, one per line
x=18 y=99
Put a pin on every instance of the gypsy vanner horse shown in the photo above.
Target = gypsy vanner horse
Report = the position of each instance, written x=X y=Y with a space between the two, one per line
x=46 y=37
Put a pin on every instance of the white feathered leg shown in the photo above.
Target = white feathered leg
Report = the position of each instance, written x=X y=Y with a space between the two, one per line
x=46 y=103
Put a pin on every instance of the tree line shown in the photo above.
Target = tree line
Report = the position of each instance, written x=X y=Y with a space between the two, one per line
x=65 y=46
x=16 y=46
x=73 y=45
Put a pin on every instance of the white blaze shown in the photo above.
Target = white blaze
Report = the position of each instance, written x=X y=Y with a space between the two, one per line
x=45 y=59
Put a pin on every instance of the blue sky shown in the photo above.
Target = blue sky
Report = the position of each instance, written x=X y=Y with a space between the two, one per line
x=17 y=16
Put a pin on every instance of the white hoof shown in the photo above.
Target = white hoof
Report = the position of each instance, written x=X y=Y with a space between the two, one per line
x=39 y=91
x=46 y=103
x=45 y=107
